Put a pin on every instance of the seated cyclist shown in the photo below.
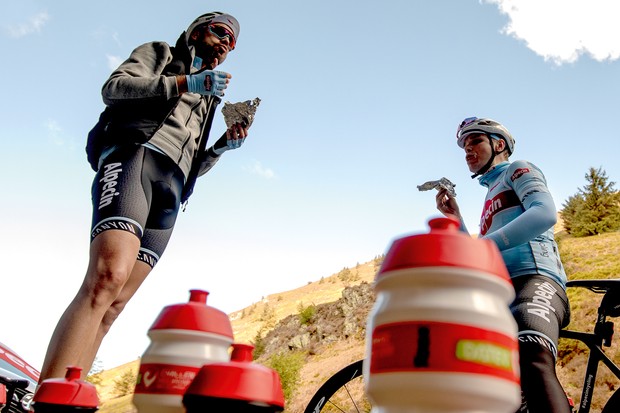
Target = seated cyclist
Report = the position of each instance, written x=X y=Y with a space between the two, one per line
x=519 y=215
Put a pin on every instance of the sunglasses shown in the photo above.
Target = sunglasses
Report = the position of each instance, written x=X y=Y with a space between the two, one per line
x=221 y=33
x=466 y=121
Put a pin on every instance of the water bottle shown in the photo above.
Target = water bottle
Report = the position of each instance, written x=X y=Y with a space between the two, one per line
x=184 y=337
x=2 y=396
x=239 y=386
x=68 y=395
x=440 y=336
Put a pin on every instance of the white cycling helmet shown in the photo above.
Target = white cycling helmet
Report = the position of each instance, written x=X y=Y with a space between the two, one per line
x=488 y=127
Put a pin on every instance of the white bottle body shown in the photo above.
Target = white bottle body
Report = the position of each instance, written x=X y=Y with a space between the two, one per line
x=442 y=339
x=170 y=363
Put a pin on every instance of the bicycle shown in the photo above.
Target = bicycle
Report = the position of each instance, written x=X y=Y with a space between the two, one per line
x=15 y=389
x=344 y=391
x=18 y=380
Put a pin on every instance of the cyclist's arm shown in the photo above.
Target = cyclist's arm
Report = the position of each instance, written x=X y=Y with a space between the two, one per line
x=462 y=226
x=539 y=216
x=141 y=76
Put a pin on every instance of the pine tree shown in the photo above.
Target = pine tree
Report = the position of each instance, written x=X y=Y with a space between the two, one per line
x=570 y=210
x=599 y=208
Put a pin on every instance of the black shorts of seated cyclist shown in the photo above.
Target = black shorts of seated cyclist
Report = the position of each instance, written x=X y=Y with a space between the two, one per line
x=138 y=190
x=540 y=310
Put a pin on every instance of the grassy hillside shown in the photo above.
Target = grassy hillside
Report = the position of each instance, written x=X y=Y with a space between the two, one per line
x=592 y=257
x=262 y=316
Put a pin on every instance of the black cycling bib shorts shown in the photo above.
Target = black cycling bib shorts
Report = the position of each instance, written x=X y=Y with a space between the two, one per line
x=138 y=190
x=540 y=310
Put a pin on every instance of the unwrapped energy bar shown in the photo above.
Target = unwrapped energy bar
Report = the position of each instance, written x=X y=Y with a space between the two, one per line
x=441 y=183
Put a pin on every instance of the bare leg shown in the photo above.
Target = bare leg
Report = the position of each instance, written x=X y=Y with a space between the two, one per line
x=138 y=275
x=112 y=258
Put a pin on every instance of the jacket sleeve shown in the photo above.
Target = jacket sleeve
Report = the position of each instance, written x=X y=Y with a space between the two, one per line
x=141 y=76
x=208 y=163
x=540 y=214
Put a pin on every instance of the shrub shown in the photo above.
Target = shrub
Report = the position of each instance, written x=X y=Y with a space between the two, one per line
x=125 y=384
x=345 y=275
x=94 y=378
x=288 y=366
x=259 y=345
x=306 y=314
x=268 y=316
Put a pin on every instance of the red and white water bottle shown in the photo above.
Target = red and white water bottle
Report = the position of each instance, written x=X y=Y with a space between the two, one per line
x=239 y=386
x=183 y=338
x=440 y=337
x=69 y=394
x=2 y=396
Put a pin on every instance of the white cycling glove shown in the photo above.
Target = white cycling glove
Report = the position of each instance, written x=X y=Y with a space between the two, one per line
x=207 y=82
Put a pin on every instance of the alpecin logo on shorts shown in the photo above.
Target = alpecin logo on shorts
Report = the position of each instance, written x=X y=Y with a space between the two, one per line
x=110 y=180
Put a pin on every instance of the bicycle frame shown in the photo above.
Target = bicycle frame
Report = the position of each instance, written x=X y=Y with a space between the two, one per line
x=594 y=342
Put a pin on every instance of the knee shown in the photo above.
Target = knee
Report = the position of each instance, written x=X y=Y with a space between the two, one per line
x=105 y=283
x=111 y=315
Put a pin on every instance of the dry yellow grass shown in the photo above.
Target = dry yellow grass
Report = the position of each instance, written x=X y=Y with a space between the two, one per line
x=247 y=322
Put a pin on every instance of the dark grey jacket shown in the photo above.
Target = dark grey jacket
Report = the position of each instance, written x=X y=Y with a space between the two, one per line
x=143 y=104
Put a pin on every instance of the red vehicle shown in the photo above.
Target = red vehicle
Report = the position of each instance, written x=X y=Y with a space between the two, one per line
x=19 y=380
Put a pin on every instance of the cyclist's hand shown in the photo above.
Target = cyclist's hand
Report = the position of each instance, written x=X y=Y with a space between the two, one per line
x=208 y=82
x=232 y=139
x=446 y=203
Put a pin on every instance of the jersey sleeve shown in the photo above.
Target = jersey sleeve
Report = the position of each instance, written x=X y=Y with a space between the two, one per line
x=539 y=214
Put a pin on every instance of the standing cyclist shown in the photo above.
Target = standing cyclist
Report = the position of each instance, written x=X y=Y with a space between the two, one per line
x=159 y=104
x=519 y=215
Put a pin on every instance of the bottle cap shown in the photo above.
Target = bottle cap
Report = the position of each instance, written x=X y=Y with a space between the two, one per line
x=70 y=391
x=194 y=315
x=444 y=246
x=239 y=379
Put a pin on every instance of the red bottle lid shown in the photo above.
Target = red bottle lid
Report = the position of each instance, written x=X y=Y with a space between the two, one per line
x=70 y=391
x=239 y=379
x=444 y=246
x=194 y=315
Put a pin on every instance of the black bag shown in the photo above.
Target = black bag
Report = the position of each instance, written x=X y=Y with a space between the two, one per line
x=96 y=139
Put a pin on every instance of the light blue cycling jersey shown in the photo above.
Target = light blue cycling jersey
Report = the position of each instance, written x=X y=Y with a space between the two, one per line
x=519 y=215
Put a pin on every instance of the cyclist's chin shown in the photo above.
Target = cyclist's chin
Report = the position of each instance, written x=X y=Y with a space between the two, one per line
x=473 y=167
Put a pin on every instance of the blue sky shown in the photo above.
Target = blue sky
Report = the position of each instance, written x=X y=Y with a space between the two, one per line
x=360 y=103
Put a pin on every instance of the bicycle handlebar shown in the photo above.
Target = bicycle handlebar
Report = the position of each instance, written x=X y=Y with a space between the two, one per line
x=14 y=383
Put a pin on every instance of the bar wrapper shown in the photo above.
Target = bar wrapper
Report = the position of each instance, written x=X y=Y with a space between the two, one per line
x=440 y=183
x=240 y=112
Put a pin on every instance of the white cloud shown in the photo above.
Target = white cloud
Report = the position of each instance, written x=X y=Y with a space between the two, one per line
x=114 y=61
x=258 y=169
x=34 y=25
x=562 y=30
